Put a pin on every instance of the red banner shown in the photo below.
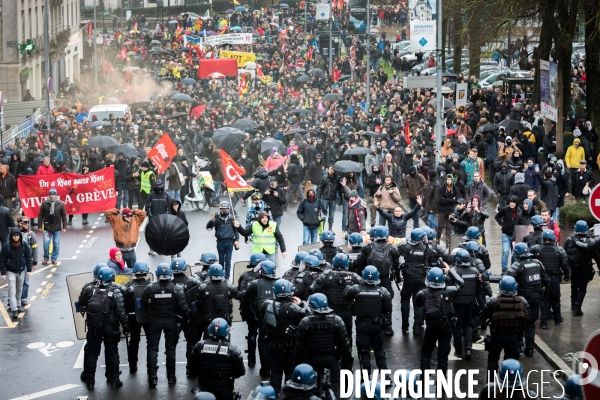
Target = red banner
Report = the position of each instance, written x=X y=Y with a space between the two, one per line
x=82 y=194
x=233 y=174
x=162 y=153
x=226 y=66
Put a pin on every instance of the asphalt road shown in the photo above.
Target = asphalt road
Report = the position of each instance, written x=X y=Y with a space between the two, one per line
x=41 y=357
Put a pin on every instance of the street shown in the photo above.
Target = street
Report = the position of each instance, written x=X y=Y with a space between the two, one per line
x=42 y=358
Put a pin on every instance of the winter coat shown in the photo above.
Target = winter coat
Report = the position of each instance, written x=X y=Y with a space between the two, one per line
x=414 y=184
x=476 y=218
x=173 y=180
x=314 y=174
x=308 y=212
x=397 y=225
x=481 y=189
x=123 y=236
x=447 y=199
x=524 y=217
x=8 y=185
x=294 y=173
x=15 y=260
x=6 y=221
x=507 y=217
x=430 y=196
x=520 y=190
x=275 y=203
x=549 y=192
x=574 y=155
x=389 y=198
x=179 y=213
x=260 y=182
x=54 y=222
x=372 y=184
x=357 y=217
x=531 y=178
x=503 y=182
x=579 y=180
x=329 y=188
x=224 y=229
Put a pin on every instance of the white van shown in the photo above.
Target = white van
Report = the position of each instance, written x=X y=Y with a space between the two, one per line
x=103 y=112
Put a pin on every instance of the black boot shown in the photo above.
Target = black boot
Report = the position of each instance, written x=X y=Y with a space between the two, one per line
x=116 y=383
x=172 y=379
x=152 y=381
x=83 y=377
x=132 y=368
x=70 y=222
x=544 y=324
x=251 y=359
x=468 y=354
x=559 y=321
x=577 y=310
x=90 y=382
x=330 y=227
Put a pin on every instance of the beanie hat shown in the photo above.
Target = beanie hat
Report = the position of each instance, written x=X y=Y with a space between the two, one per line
x=127 y=212
x=353 y=193
x=262 y=214
x=432 y=174
x=145 y=164
x=52 y=191
x=519 y=178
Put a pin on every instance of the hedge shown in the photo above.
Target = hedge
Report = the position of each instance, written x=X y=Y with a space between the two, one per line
x=574 y=211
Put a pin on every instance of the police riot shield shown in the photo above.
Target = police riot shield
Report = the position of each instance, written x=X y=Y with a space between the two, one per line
x=521 y=231
x=239 y=267
x=141 y=315
x=74 y=285
x=455 y=239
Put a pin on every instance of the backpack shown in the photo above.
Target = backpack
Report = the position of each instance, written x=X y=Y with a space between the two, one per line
x=434 y=310
x=294 y=172
x=380 y=256
x=97 y=308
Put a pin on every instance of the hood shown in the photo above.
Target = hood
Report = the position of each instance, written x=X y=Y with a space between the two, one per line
x=16 y=153
x=261 y=174
x=14 y=230
x=519 y=178
x=378 y=170
x=112 y=252
x=577 y=141
x=530 y=210
x=393 y=184
x=173 y=201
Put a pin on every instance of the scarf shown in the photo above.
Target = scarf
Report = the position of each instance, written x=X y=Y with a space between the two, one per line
x=356 y=212
x=52 y=203
x=75 y=163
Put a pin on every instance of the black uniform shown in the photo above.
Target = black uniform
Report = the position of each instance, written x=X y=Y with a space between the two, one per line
x=247 y=314
x=370 y=304
x=94 y=300
x=138 y=319
x=556 y=263
x=532 y=280
x=213 y=300
x=329 y=251
x=534 y=238
x=439 y=316
x=219 y=363
x=289 y=393
x=259 y=291
x=353 y=255
x=166 y=303
x=580 y=252
x=320 y=341
x=190 y=286
x=508 y=318
x=303 y=282
x=382 y=256
x=415 y=267
x=482 y=253
x=202 y=275
x=291 y=274
x=438 y=254
x=486 y=290
x=332 y=284
x=281 y=319
x=464 y=303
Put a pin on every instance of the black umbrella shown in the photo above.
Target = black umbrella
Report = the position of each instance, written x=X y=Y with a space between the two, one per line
x=294 y=131
x=346 y=166
x=487 y=128
x=167 y=234
x=360 y=151
x=98 y=124
x=332 y=97
x=244 y=124
x=102 y=141
x=317 y=72
x=176 y=115
x=451 y=85
x=127 y=149
x=228 y=138
x=344 y=78
x=303 y=78
x=447 y=103
x=370 y=133
x=266 y=146
x=182 y=97
x=449 y=75
x=301 y=111
x=511 y=125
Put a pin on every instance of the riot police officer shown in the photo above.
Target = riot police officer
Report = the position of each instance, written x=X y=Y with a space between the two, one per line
x=580 y=251
x=511 y=384
x=332 y=284
x=438 y=255
x=213 y=299
x=472 y=235
x=535 y=237
x=370 y=303
x=508 y=315
x=356 y=243
x=297 y=267
x=533 y=281
x=302 y=386
x=137 y=317
x=305 y=278
x=264 y=391
x=414 y=270
x=245 y=310
x=190 y=285
x=556 y=264
x=260 y=290
x=475 y=250
x=280 y=322
x=437 y=300
x=329 y=250
x=464 y=303
x=321 y=340
x=218 y=362
x=167 y=306
x=104 y=308
x=385 y=258
x=573 y=388
x=206 y=260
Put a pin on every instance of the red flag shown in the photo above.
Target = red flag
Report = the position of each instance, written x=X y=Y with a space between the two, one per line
x=282 y=47
x=189 y=55
x=162 y=153
x=196 y=111
x=259 y=72
x=309 y=53
x=407 y=131
x=90 y=29
x=242 y=86
x=123 y=53
x=233 y=174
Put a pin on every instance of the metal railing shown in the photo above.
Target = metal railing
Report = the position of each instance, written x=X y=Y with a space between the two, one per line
x=23 y=128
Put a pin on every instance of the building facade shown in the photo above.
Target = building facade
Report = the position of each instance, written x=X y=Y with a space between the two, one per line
x=23 y=20
x=422 y=11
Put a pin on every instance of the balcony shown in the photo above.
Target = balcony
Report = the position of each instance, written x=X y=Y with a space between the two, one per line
x=60 y=40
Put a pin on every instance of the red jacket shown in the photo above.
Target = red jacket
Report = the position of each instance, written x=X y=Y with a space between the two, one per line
x=43 y=170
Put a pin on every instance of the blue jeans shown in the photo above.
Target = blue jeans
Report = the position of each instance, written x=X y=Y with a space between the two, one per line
x=431 y=222
x=330 y=205
x=270 y=257
x=215 y=198
x=130 y=258
x=344 y=215
x=25 y=290
x=174 y=194
x=225 y=248
x=278 y=221
x=412 y=203
x=555 y=215
x=506 y=246
x=55 y=237
x=361 y=189
x=122 y=195
x=309 y=235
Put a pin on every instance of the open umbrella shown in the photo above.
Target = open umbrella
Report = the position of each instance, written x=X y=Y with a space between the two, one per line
x=511 y=125
x=250 y=65
x=303 y=78
x=449 y=75
x=301 y=111
x=167 y=234
x=345 y=166
x=447 y=103
x=451 y=85
x=240 y=8
x=332 y=97
x=196 y=111
x=188 y=81
x=127 y=149
x=361 y=151
x=98 y=124
x=487 y=128
x=294 y=131
x=228 y=138
x=370 y=133
x=283 y=5
x=113 y=100
x=155 y=42
x=102 y=142
x=445 y=90
x=317 y=72
x=216 y=75
x=344 y=78
x=173 y=21
x=182 y=97
x=176 y=115
x=235 y=28
x=266 y=146
x=244 y=124
x=229 y=11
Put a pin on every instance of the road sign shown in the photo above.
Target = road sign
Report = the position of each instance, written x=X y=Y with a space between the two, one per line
x=594 y=202
x=300 y=63
x=589 y=367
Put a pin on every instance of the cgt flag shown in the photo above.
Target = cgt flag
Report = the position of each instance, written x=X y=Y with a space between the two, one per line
x=82 y=194
x=162 y=153
x=233 y=174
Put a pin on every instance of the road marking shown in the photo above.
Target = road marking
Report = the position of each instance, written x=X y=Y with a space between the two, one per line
x=77 y=251
x=47 y=392
x=27 y=306
x=3 y=286
x=79 y=361
x=81 y=245
x=99 y=218
x=21 y=315
x=92 y=231
x=143 y=226
x=37 y=271
x=102 y=214
x=44 y=283
x=33 y=298
x=74 y=258
x=38 y=290
x=48 y=276
x=87 y=236
x=53 y=270
x=7 y=319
